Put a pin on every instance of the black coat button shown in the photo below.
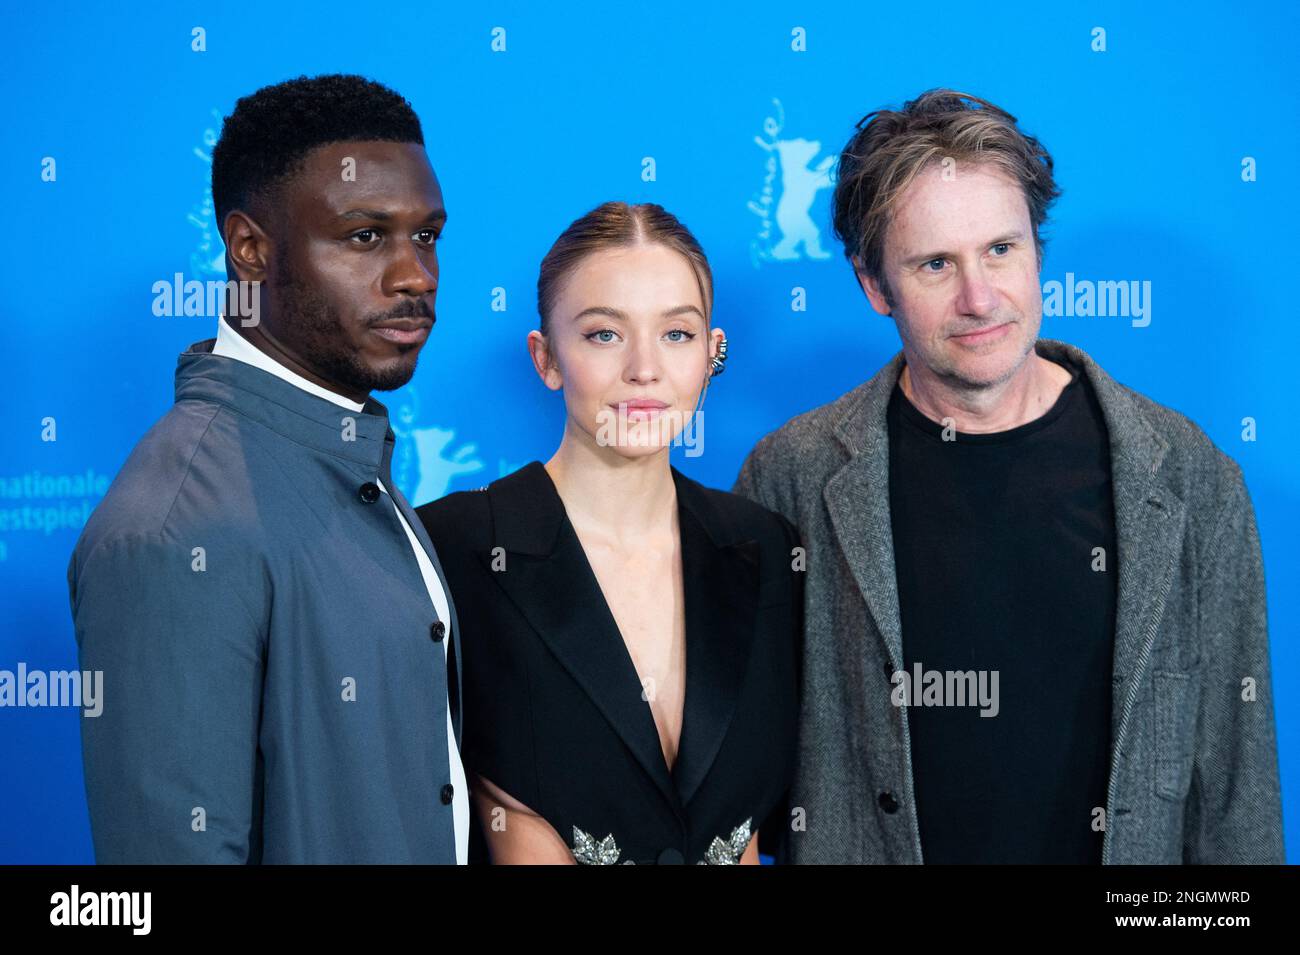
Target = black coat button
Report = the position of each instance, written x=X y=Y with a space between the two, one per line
x=369 y=492
x=448 y=791
x=670 y=857
x=888 y=802
x=437 y=631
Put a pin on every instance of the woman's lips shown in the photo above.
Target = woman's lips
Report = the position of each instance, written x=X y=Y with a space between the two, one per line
x=641 y=408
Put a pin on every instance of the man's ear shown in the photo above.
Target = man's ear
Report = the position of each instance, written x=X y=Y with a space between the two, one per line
x=875 y=295
x=248 y=247
x=539 y=349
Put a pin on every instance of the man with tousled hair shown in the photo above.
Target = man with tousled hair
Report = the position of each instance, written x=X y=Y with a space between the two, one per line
x=992 y=511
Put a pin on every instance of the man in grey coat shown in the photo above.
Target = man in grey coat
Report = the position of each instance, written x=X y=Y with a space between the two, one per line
x=1035 y=611
x=273 y=626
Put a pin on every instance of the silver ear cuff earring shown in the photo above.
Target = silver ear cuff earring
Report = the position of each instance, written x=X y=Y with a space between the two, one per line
x=718 y=362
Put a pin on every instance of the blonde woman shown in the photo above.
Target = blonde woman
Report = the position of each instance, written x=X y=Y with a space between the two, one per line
x=630 y=637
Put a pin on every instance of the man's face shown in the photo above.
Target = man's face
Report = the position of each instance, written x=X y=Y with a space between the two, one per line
x=354 y=274
x=963 y=270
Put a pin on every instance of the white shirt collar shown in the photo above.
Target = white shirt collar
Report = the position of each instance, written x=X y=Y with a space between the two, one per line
x=231 y=344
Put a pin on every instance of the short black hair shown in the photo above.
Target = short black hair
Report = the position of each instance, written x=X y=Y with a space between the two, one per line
x=265 y=140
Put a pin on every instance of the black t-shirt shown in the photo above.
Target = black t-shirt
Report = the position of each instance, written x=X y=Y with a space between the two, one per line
x=995 y=545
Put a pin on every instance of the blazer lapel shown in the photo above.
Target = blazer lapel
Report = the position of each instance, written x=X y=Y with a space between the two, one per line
x=549 y=579
x=720 y=579
x=1150 y=521
x=857 y=498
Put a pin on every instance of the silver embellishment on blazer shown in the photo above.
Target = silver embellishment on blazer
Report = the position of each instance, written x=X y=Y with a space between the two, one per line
x=729 y=852
x=588 y=851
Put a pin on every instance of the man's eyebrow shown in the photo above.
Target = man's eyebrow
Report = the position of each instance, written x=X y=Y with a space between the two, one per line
x=610 y=312
x=1016 y=236
x=379 y=215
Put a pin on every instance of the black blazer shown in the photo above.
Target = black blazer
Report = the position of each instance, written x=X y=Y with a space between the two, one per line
x=553 y=709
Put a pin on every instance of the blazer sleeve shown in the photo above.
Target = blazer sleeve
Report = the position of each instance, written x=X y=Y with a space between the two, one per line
x=1234 y=813
x=171 y=759
x=496 y=701
x=774 y=832
x=750 y=482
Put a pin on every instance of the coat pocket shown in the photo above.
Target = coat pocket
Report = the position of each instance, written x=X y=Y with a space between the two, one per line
x=1175 y=733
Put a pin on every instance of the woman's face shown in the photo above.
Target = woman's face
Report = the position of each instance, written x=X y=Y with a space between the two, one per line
x=627 y=343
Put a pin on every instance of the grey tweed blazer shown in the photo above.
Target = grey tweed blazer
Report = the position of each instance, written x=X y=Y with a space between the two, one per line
x=1194 y=774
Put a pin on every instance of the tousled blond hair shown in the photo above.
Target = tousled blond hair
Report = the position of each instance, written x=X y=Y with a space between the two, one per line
x=891 y=147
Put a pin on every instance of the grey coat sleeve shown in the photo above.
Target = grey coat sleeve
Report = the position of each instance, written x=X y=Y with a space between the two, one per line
x=1234 y=812
x=755 y=481
x=171 y=760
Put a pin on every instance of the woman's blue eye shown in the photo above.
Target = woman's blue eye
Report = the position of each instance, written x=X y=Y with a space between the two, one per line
x=603 y=331
x=681 y=331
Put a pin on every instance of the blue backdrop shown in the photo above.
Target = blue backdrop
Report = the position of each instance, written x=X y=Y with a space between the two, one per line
x=1171 y=128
